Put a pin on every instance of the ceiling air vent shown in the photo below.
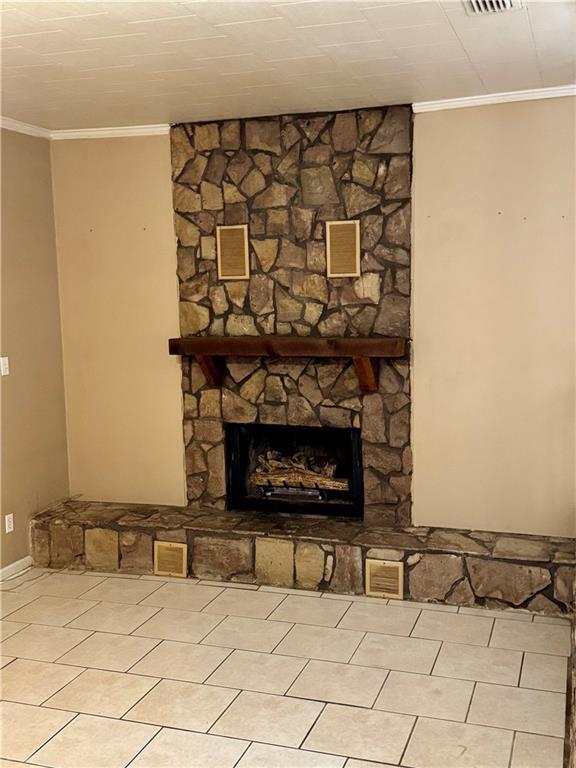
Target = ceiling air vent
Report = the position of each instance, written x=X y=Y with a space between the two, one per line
x=343 y=248
x=170 y=558
x=385 y=579
x=475 y=7
x=232 y=251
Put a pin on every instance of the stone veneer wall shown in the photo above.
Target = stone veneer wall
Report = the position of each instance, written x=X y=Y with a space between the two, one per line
x=455 y=567
x=285 y=177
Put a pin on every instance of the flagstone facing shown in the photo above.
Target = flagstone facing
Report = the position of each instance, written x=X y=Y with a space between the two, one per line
x=285 y=177
x=321 y=554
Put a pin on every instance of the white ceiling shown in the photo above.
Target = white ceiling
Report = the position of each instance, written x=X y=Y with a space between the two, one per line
x=95 y=64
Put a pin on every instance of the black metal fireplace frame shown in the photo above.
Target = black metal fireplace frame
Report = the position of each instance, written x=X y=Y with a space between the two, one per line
x=236 y=448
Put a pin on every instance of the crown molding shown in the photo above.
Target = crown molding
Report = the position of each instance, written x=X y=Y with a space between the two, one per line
x=163 y=128
x=495 y=98
x=112 y=133
x=84 y=133
x=30 y=130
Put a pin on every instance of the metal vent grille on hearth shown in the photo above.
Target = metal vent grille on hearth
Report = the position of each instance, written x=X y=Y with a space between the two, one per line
x=343 y=248
x=232 y=252
x=385 y=579
x=475 y=7
x=170 y=558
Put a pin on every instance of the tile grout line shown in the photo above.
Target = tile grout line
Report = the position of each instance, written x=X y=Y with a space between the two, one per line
x=471 y=700
x=492 y=628
x=522 y=660
x=316 y=719
x=226 y=708
x=408 y=740
x=145 y=746
x=430 y=673
x=381 y=688
x=75 y=716
x=216 y=668
x=57 y=659
x=512 y=745
x=79 y=674
x=131 y=707
x=293 y=683
x=248 y=745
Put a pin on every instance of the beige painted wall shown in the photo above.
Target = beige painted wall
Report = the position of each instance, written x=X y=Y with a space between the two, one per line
x=33 y=447
x=493 y=317
x=119 y=297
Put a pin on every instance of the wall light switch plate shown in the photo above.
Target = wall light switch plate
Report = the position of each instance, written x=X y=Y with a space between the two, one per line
x=4 y=366
x=9 y=523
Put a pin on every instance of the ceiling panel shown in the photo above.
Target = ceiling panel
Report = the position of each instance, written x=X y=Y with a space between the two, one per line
x=98 y=64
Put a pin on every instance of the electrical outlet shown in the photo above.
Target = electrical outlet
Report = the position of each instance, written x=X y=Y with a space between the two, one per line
x=4 y=366
x=9 y=523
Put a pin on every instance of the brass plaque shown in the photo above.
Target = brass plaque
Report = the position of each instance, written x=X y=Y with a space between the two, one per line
x=232 y=252
x=343 y=248
x=170 y=558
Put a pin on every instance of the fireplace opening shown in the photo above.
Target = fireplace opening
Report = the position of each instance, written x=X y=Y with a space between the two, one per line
x=306 y=470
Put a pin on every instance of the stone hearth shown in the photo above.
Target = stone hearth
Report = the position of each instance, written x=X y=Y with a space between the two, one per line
x=285 y=177
x=441 y=565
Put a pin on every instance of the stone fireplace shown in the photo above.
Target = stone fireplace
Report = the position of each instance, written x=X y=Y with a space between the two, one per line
x=285 y=177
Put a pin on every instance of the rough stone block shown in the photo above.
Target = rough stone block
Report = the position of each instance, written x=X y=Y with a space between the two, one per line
x=136 y=552
x=542 y=604
x=564 y=585
x=66 y=545
x=275 y=562
x=101 y=545
x=40 y=546
x=309 y=560
x=217 y=558
x=379 y=515
x=348 y=577
x=385 y=554
x=461 y=594
x=516 y=548
x=506 y=581
x=176 y=535
x=434 y=575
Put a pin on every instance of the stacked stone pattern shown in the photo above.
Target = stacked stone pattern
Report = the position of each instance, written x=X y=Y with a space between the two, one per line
x=441 y=565
x=285 y=177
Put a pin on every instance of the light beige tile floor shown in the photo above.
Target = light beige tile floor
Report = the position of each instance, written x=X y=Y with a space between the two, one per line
x=487 y=665
x=98 y=742
x=322 y=643
x=339 y=683
x=307 y=610
x=8 y=628
x=267 y=718
x=98 y=692
x=181 y=661
x=54 y=611
x=114 y=617
x=171 y=748
x=103 y=650
x=261 y=672
x=185 y=626
x=32 y=682
x=248 y=634
x=252 y=605
x=182 y=705
x=26 y=728
x=118 y=672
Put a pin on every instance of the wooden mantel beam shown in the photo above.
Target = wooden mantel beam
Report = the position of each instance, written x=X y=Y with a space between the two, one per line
x=210 y=351
x=288 y=346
